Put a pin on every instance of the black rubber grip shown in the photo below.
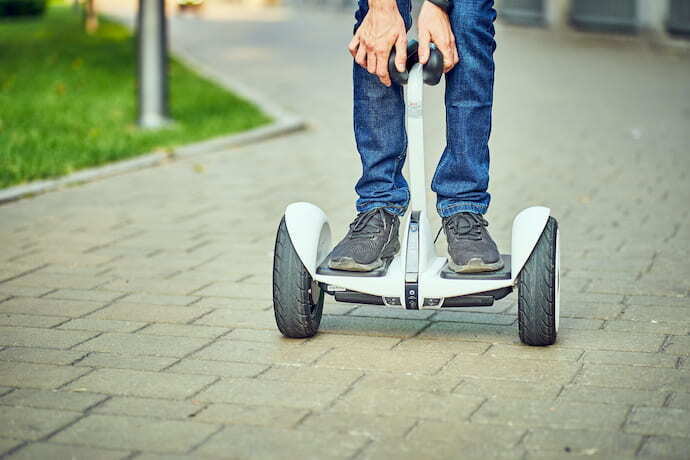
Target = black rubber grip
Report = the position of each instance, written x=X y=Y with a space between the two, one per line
x=433 y=69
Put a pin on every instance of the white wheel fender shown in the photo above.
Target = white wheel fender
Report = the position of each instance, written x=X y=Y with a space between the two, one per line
x=528 y=226
x=310 y=234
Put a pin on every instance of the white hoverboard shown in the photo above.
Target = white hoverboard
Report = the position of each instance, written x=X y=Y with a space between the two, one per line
x=416 y=278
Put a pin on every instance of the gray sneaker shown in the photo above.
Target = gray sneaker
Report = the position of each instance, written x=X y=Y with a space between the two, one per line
x=470 y=247
x=371 y=240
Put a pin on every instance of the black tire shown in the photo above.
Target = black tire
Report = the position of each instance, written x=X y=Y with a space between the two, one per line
x=297 y=300
x=537 y=291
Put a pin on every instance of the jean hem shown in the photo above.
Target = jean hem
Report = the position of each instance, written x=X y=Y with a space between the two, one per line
x=455 y=208
x=396 y=209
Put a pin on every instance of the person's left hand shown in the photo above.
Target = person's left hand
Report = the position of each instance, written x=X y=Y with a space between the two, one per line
x=434 y=26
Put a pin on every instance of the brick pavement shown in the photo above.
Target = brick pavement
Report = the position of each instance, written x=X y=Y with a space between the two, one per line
x=135 y=317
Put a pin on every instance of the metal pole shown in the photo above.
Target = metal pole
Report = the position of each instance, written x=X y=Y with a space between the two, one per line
x=152 y=44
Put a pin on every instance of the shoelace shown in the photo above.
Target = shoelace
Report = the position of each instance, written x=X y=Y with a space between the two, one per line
x=361 y=221
x=469 y=229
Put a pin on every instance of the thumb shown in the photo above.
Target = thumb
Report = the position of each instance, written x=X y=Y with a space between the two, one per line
x=423 y=48
x=400 y=53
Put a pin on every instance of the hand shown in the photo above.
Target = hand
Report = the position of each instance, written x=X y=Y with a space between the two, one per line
x=434 y=26
x=371 y=46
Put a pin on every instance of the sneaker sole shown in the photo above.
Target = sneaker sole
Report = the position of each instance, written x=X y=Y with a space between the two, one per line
x=475 y=265
x=348 y=264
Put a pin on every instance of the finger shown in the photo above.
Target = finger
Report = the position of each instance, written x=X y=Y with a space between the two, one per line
x=352 y=46
x=401 y=53
x=371 y=62
x=361 y=57
x=423 y=47
x=447 y=53
x=382 y=56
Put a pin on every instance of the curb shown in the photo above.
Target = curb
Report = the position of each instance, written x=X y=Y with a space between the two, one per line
x=284 y=123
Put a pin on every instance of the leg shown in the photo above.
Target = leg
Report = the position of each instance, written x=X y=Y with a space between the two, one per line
x=379 y=122
x=462 y=175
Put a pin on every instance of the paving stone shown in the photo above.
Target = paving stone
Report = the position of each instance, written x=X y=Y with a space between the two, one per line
x=40 y=355
x=662 y=421
x=37 y=337
x=680 y=401
x=54 y=280
x=407 y=381
x=649 y=327
x=385 y=360
x=255 y=335
x=298 y=395
x=25 y=375
x=142 y=407
x=581 y=323
x=175 y=286
x=158 y=299
x=665 y=447
x=640 y=378
x=102 y=325
x=605 y=395
x=277 y=417
x=135 y=433
x=218 y=368
x=226 y=303
x=660 y=301
x=84 y=294
x=593 y=310
x=49 y=307
x=653 y=313
x=250 y=319
x=45 y=399
x=508 y=389
x=140 y=383
x=511 y=369
x=386 y=401
x=434 y=450
x=384 y=312
x=184 y=330
x=340 y=377
x=325 y=341
x=66 y=452
x=387 y=327
x=470 y=331
x=502 y=351
x=440 y=346
x=235 y=290
x=678 y=345
x=7 y=445
x=115 y=361
x=468 y=435
x=140 y=344
x=239 y=441
x=372 y=426
x=630 y=358
x=12 y=319
x=30 y=423
x=480 y=318
x=582 y=442
x=285 y=351
x=550 y=414
x=148 y=313
x=609 y=340
x=24 y=291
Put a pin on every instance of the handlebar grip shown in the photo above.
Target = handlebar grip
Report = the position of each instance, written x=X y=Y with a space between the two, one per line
x=433 y=69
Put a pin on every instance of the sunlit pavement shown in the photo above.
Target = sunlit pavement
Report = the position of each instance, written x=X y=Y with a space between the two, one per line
x=136 y=311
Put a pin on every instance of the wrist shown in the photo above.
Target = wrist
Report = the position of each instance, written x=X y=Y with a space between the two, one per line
x=383 y=5
x=442 y=4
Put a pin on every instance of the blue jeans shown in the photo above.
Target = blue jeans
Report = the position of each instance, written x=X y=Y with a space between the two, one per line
x=462 y=174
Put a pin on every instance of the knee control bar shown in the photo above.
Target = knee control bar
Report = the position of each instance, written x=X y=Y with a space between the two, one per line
x=432 y=71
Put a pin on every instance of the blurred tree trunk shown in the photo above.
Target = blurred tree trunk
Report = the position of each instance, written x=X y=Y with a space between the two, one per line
x=90 y=17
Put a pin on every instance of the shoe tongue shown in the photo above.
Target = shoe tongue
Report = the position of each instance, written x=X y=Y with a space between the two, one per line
x=368 y=223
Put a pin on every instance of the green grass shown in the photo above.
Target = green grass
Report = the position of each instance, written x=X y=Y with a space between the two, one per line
x=67 y=99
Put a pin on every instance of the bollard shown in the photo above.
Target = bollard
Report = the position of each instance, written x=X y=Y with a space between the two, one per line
x=152 y=45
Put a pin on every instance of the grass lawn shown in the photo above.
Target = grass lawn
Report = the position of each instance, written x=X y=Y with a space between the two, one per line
x=67 y=99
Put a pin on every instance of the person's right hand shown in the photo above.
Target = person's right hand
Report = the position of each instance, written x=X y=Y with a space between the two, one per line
x=381 y=28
